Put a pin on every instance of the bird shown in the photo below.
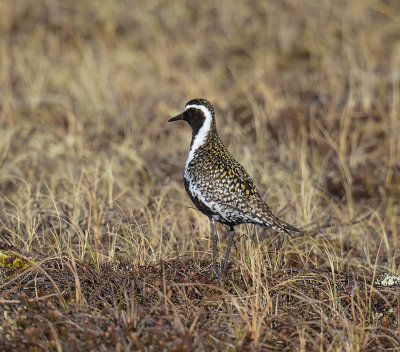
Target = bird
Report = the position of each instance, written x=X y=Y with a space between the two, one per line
x=217 y=184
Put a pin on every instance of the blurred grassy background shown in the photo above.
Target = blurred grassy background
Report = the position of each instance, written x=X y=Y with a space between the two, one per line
x=307 y=99
x=306 y=96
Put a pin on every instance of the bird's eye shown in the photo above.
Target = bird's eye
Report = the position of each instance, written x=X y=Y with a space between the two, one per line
x=192 y=109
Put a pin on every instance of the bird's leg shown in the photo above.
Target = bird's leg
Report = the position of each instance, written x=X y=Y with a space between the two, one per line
x=230 y=242
x=281 y=241
x=215 y=242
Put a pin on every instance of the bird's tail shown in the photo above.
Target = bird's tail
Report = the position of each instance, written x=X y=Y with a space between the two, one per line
x=277 y=224
x=288 y=227
x=285 y=227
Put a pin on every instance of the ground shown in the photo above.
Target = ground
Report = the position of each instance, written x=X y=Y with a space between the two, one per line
x=100 y=247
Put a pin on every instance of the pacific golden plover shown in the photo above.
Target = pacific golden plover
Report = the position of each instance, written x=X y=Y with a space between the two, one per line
x=217 y=184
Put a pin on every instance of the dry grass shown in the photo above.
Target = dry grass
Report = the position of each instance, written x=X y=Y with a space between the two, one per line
x=111 y=253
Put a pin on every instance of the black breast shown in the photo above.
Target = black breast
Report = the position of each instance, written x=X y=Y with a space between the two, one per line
x=197 y=202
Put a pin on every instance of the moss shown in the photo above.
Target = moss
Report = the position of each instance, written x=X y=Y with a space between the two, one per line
x=12 y=261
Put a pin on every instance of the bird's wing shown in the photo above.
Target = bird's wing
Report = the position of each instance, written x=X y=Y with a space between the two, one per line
x=226 y=183
x=225 y=179
x=241 y=193
x=244 y=177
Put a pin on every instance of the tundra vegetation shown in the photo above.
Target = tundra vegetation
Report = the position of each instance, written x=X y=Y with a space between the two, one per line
x=100 y=247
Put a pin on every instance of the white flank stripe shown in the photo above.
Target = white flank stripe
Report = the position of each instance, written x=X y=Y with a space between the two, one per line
x=201 y=134
x=198 y=141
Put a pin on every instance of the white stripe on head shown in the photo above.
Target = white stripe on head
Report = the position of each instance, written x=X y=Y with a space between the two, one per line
x=201 y=135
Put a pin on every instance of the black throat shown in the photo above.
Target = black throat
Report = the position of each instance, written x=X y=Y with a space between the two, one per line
x=196 y=121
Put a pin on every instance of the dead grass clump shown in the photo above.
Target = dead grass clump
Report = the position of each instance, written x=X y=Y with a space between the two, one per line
x=66 y=302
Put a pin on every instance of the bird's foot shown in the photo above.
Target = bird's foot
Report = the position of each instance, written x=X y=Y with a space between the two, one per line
x=217 y=272
x=224 y=266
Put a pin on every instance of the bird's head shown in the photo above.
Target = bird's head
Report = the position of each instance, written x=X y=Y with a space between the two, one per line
x=197 y=113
